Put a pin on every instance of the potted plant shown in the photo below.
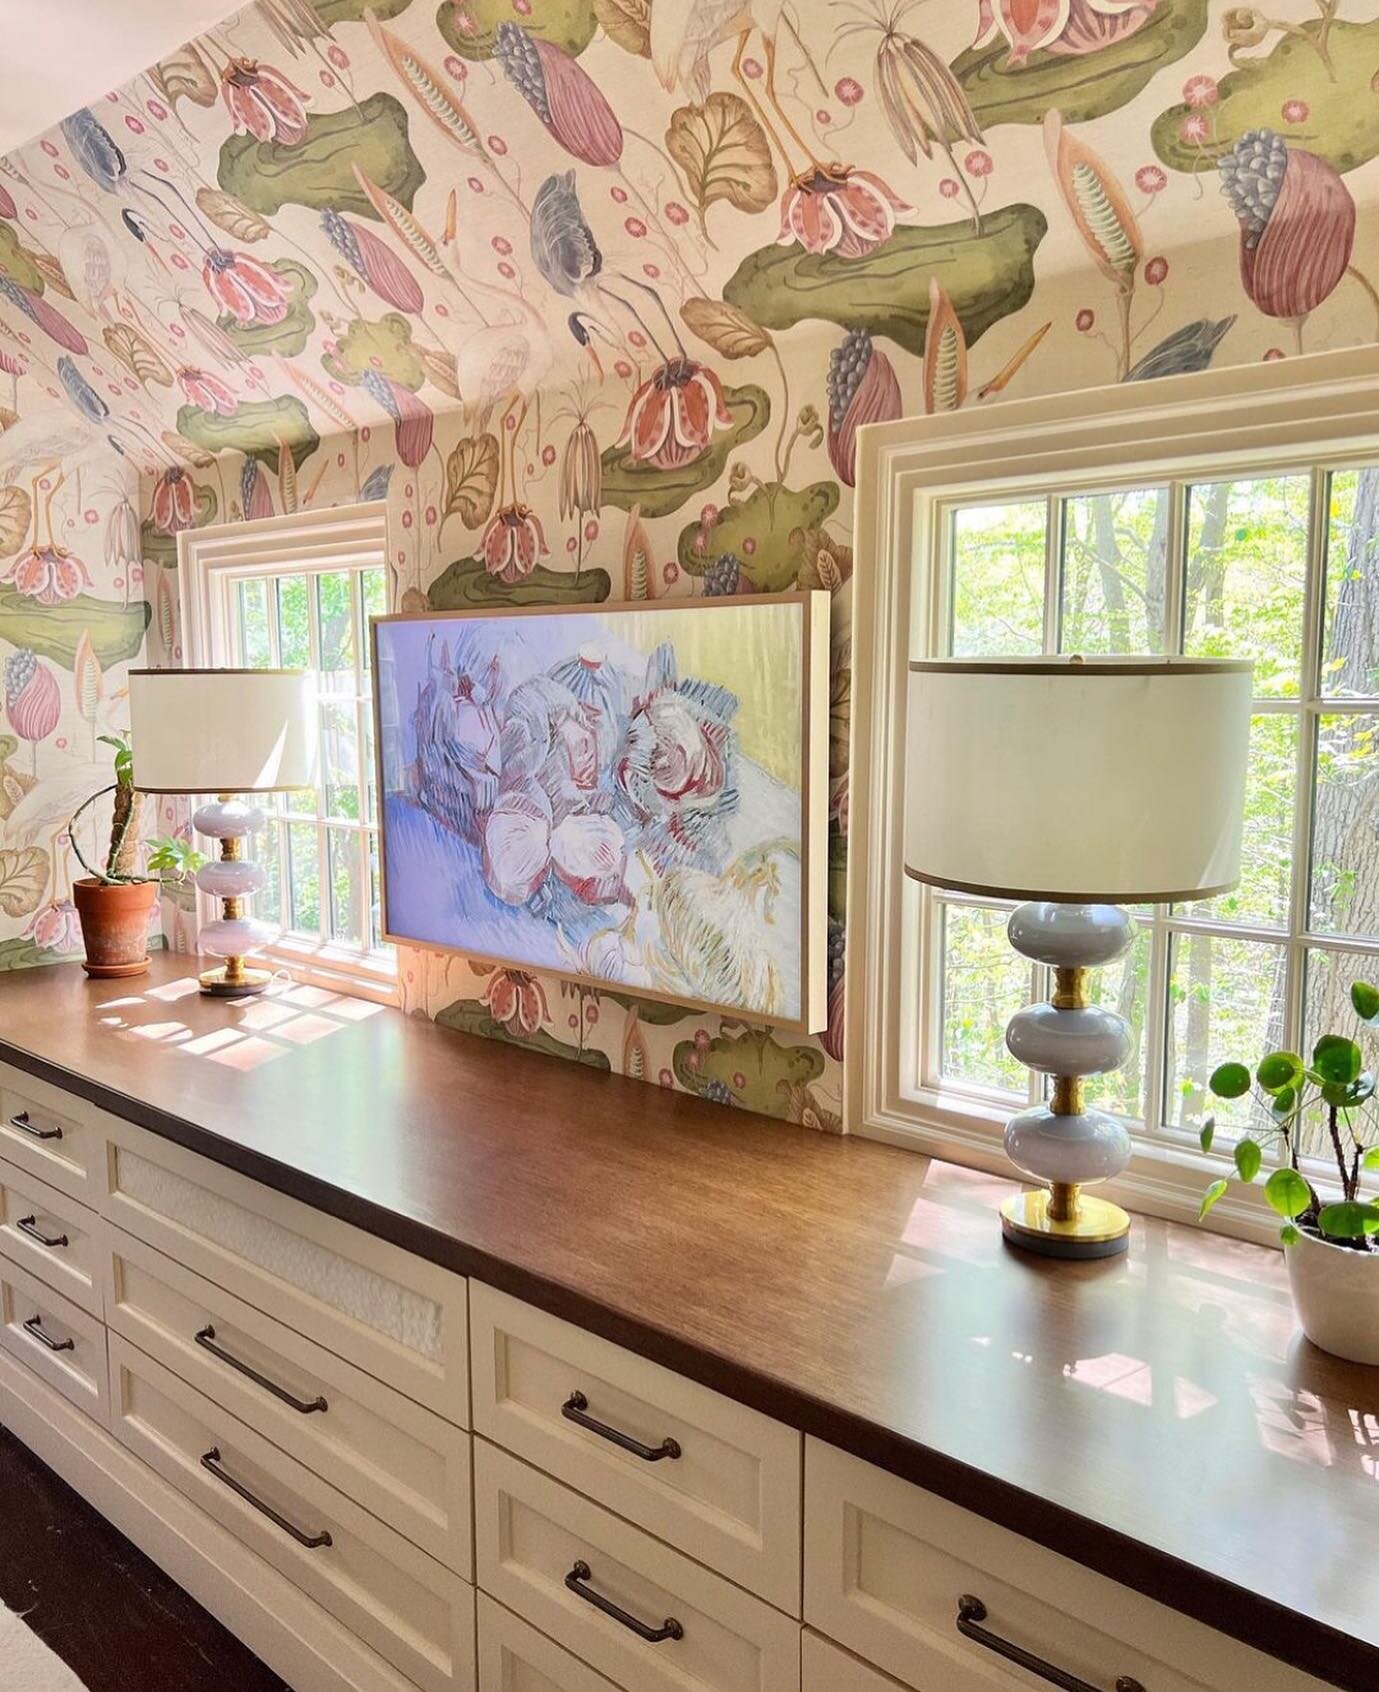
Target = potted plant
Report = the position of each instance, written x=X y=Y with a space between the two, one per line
x=115 y=902
x=1331 y=1243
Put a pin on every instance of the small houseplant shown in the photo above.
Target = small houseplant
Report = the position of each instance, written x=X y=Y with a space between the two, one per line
x=1331 y=1242
x=115 y=901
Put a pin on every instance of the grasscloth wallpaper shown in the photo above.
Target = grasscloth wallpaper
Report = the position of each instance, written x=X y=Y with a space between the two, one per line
x=597 y=293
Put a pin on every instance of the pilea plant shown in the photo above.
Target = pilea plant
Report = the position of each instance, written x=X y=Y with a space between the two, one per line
x=169 y=859
x=1336 y=1087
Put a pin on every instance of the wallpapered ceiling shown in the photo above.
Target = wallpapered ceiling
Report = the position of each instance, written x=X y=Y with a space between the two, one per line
x=597 y=293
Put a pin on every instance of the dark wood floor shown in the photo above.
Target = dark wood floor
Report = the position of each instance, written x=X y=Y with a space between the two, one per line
x=113 y=1616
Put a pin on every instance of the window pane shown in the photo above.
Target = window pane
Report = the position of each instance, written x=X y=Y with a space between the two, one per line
x=1327 y=1010
x=373 y=601
x=255 y=647
x=339 y=760
x=1350 y=640
x=1123 y=986
x=1345 y=826
x=305 y=878
x=1113 y=581
x=1226 y=1001
x=294 y=634
x=267 y=850
x=1246 y=576
x=336 y=621
x=375 y=895
x=984 y=983
x=370 y=767
x=344 y=847
x=998 y=578
x=1266 y=860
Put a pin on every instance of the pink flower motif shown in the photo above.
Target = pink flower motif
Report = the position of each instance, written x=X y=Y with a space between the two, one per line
x=978 y=163
x=338 y=57
x=174 y=502
x=516 y=1001
x=244 y=287
x=1149 y=179
x=512 y=543
x=1085 y=319
x=48 y=574
x=676 y=213
x=1194 y=127
x=1296 y=111
x=1273 y=354
x=751 y=68
x=1155 y=271
x=837 y=209
x=262 y=101
x=1199 y=91
x=1066 y=27
x=635 y=227
x=848 y=90
x=456 y=66
x=949 y=188
x=56 y=928
x=548 y=455
x=207 y=391
x=672 y=417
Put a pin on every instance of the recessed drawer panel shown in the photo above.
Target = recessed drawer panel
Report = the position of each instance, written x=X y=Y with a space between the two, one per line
x=59 y=1341
x=824 y=1668
x=412 y=1611
x=700 y=1471
x=514 y=1657
x=393 y=1314
x=641 y=1614
x=393 y=1456
x=889 y=1569
x=52 y=1235
x=50 y=1133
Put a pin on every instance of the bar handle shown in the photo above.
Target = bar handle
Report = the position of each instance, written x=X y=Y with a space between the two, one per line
x=29 y=1225
x=21 y=1121
x=34 y=1326
x=581 y=1572
x=210 y=1461
x=575 y=1409
x=972 y=1612
x=206 y=1339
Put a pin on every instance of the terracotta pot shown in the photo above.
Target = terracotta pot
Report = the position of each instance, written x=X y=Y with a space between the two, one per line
x=1336 y=1291
x=114 y=924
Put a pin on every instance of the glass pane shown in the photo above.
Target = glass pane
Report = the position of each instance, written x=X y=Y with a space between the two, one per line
x=344 y=846
x=339 y=760
x=375 y=895
x=998 y=578
x=370 y=767
x=984 y=983
x=1345 y=826
x=1246 y=576
x=1226 y=1004
x=267 y=850
x=1327 y=1010
x=294 y=633
x=1350 y=639
x=373 y=599
x=1123 y=986
x=1266 y=860
x=336 y=621
x=305 y=878
x=1115 y=546
x=255 y=643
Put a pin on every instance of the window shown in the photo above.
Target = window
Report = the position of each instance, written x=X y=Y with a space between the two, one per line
x=297 y=592
x=1195 y=544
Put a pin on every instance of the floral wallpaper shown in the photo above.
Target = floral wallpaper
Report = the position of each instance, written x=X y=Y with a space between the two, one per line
x=597 y=294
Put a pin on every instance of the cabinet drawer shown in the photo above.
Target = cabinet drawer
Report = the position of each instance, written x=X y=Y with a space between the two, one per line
x=52 y=1235
x=729 y=1496
x=394 y=1315
x=534 y=1537
x=824 y=1668
x=60 y=1342
x=514 y=1657
x=50 y=1133
x=886 y=1565
x=388 y=1453
x=412 y=1611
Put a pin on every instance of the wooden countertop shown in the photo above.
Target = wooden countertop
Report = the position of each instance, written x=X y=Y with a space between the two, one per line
x=1155 y=1417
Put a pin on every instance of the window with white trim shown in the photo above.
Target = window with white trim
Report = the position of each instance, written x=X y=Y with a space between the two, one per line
x=1270 y=554
x=297 y=592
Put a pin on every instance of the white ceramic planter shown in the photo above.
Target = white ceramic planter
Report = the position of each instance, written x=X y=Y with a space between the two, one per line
x=1336 y=1291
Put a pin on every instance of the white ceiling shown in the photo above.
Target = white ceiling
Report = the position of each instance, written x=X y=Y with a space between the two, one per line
x=61 y=54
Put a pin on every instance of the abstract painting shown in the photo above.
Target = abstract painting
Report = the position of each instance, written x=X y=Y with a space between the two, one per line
x=630 y=795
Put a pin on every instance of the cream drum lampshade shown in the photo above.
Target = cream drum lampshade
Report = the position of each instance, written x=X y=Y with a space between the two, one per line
x=1075 y=785
x=222 y=731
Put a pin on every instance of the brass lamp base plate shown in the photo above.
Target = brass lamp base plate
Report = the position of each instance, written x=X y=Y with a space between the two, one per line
x=1100 y=1229
x=251 y=981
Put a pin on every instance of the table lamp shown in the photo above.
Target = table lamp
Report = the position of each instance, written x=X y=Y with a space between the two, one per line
x=1078 y=785
x=225 y=732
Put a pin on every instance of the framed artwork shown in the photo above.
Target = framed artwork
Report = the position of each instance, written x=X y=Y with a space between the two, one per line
x=631 y=796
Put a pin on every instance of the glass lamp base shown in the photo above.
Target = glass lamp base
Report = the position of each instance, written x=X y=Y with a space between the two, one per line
x=1097 y=1228
x=228 y=983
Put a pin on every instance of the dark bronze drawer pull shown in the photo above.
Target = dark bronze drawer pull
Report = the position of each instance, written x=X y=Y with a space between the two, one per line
x=207 y=1341
x=971 y=1612
x=34 y=1326
x=312 y=1541
x=669 y=1628
x=22 y=1123
x=575 y=1409
x=29 y=1225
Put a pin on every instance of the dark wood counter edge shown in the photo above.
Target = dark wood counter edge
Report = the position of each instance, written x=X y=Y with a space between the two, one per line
x=1289 y=1635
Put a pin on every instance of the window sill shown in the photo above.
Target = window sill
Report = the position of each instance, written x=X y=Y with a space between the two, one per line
x=339 y=969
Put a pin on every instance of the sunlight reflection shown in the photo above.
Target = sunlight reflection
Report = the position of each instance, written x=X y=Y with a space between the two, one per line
x=204 y=1044
x=263 y=1013
x=118 y=1004
x=355 y=1010
x=311 y=998
x=175 y=989
x=247 y=1053
x=903 y=1270
x=302 y=1030
x=159 y=1030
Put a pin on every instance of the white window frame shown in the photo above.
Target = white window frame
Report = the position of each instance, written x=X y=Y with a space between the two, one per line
x=211 y=562
x=1242 y=421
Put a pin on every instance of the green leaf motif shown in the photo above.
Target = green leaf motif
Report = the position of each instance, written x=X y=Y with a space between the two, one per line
x=659 y=492
x=258 y=428
x=762 y=532
x=754 y=1069
x=1214 y=1192
x=1248 y=1158
x=472 y=1016
x=385 y=347
x=15 y=263
x=319 y=171
x=1279 y=1070
x=470 y=29
x=1337 y=1061
x=54 y=631
x=466 y=583
x=987 y=275
x=1287 y=1193
x=352 y=11
x=1230 y=1081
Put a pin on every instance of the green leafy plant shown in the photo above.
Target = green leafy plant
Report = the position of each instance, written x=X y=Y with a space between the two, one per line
x=169 y=858
x=1335 y=1085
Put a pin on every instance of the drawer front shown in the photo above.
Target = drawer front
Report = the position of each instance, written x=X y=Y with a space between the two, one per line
x=53 y=1236
x=730 y=1491
x=60 y=1342
x=886 y=1565
x=514 y=1657
x=394 y=1315
x=393 y=1456
x=416 y=1614
x=534 y=1537
x=49 y=1133
x=824 y=1668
